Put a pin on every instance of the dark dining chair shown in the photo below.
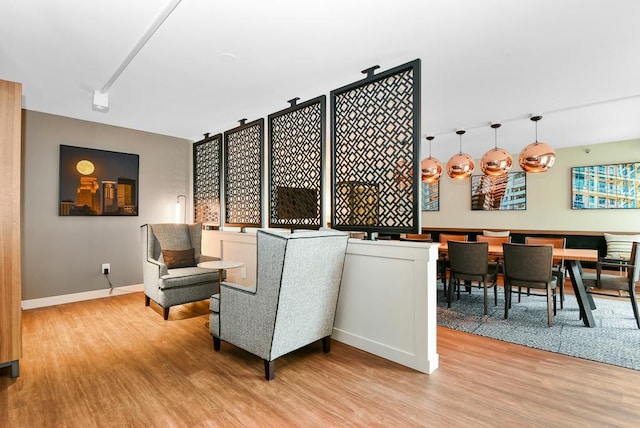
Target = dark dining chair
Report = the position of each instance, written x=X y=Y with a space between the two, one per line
x=443 y=259
x=559 y=270
x=495 y=262
x=622 y=283
x=529 y=266
x=469 y=262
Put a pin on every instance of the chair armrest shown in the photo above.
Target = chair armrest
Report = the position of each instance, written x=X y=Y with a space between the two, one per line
x=238 y=287
x=156 y=268
x=617 y=263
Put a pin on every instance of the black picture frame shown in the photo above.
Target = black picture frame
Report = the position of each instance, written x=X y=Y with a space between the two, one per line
x=499 y=193
x=94 y=182
x=610 y=186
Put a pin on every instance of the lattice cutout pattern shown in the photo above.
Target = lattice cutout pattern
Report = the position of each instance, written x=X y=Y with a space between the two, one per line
x=374 y=149
x=243 y=176
x=206 y=180
x=296 y=159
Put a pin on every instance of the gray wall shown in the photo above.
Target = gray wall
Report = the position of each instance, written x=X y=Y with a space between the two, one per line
x=63 y=255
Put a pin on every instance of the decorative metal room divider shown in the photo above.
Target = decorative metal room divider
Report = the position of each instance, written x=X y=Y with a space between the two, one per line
x=375 y=138
x=243 y=163
x=207 y=162
x=296 y=164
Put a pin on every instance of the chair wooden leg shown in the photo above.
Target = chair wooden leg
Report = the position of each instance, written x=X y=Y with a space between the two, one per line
x=216 y=343
x=326 y=344
x=166 y=313
x=147 y=300
x=269 y=370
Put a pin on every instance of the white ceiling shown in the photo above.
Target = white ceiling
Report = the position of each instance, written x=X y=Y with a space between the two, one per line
x=482 y=61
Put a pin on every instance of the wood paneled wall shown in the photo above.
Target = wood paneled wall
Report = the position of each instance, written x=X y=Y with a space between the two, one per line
x=10 y=203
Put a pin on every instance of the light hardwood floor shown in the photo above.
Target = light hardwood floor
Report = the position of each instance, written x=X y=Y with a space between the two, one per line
x=114 y=363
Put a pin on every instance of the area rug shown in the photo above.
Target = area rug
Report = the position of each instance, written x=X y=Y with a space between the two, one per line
x=614 y=340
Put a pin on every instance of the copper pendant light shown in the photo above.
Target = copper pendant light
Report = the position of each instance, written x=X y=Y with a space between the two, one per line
x=538 y=156
x=460 y=166
x=496 y=162
x=431 y=167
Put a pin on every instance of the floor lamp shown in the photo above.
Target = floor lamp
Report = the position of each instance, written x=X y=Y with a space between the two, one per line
x=181 y=212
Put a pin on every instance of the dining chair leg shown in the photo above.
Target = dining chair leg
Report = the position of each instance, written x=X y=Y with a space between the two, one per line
x=484 y=286
x=549 y=312
x=450 y=291
x=495 y=294
x=634 y=304
x=507 y=300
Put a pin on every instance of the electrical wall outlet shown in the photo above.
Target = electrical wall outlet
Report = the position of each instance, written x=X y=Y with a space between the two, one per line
x=106 y=268
x=244 y=272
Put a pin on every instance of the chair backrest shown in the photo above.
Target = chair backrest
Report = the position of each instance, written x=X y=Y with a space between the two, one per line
x=471 y=258
x=298 y=282
x=418 y=237
x=525 y=262
x=493 y=240
x=556 y=242
x=445 y=237
x=173 y=236
x=496 y=233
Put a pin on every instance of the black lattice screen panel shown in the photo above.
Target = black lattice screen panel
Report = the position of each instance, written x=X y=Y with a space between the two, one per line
x=296 y=162
x=207 y=161
x=375 y=152
x=243 y=174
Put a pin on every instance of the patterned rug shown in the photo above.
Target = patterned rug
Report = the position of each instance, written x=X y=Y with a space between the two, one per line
x=614 y=340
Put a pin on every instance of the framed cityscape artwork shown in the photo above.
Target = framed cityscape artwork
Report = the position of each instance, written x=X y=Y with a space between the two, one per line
x=605 y=186
x=503 y=193
x=97 y=182
x=430 y=196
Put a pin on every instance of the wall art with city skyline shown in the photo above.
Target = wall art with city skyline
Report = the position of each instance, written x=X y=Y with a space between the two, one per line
x=97 y=182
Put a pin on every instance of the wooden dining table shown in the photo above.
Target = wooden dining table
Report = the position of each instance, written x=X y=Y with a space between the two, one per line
x=572 y=258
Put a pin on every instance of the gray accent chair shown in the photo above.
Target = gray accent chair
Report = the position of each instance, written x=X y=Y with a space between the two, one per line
x=294 y=301
x=176 y=286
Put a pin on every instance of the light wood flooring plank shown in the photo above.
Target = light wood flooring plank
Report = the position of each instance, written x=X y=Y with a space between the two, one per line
x=115 y=363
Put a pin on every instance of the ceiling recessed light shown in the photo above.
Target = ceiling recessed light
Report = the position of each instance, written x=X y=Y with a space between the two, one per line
x=228 y=58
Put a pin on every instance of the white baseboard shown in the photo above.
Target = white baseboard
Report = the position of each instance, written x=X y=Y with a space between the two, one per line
x=78 y=297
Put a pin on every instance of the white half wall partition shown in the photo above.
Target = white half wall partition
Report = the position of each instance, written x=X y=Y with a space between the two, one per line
x=387 y=304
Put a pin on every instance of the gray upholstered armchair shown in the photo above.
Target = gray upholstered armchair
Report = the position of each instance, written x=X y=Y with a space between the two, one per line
x=294 y=301
x=170 y=253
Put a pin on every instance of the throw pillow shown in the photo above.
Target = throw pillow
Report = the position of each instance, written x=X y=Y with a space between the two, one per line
x=496 y=233
x=618 y=245
x=179 y=258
